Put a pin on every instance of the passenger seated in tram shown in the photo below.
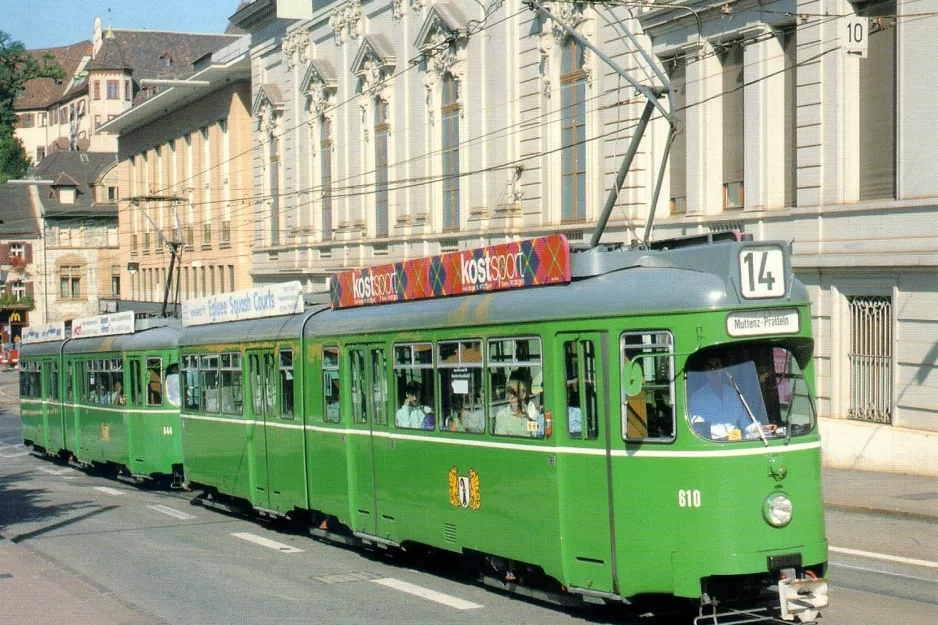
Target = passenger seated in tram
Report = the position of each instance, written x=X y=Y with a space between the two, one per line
x=411 y=414
x=574 y=412
x=521 y=416
x=716 y=407
x=466 y=417
x=117 y=395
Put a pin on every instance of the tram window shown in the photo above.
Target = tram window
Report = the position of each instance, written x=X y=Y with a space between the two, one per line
x=69 y=380
x=154 y=381
x=116 y=394
x=379 y=385
x=81 y=382
x=413 y=377
x=459 y=367
x=53 y=381
x=579 y=359
x=649 y=414
x=30 y=380
x=330 y=384
x=286 y=383
x=99 y=381
x=270 y=389
x=136 y=396
x=190 y=378
x=762 y=393
x=231 y=392
x=359 y=403
x=208 y=382
x=172 y=385
x=516 y=387
x=91 y=379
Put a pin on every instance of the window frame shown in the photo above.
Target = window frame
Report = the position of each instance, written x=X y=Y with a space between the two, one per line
x=515 y=364
x=284 y=372
x=334 y=370
x=644 y=349
x=411 y=366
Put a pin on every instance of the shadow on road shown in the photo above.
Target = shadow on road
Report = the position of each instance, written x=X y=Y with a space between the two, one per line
x=21 y=505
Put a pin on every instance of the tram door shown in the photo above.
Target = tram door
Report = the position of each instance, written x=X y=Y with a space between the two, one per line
x=369 y=388
x=588 y=545
x=53 y=411
x=262 y=379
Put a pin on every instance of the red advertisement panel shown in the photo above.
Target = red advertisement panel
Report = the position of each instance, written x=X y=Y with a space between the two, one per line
x=533 y=262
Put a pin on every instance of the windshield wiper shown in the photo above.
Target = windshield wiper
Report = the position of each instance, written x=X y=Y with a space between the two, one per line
x=791 y=402
x=752 y=417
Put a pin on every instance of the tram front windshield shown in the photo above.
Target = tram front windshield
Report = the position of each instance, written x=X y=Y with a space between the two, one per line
x=748 y=392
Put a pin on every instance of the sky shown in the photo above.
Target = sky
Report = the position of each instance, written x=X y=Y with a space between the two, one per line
x=54 y=23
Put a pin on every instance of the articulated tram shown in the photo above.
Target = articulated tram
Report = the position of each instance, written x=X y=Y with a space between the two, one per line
x=610 y=424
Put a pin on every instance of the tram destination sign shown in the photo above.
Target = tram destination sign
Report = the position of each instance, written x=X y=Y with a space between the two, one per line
x=44 y=334
x=267 y=301
x=762 y=322
x=104 y=325
x=519 y=264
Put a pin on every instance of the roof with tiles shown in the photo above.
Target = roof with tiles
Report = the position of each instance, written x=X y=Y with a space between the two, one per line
x=157 y=54
x=78 y=169
x=145 y=53
x=17 y=217
x=109 y=56
x=43 y=92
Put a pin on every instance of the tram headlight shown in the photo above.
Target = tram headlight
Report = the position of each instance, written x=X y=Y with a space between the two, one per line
x=776 y=509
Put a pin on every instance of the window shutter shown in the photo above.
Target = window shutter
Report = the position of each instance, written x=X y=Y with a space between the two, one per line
x=28 y=252
x=4 y=253
x=29 y=288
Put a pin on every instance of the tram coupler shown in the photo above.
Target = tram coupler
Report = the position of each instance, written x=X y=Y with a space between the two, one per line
x=802 y=598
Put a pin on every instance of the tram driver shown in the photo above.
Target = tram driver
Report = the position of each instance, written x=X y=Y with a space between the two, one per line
x=716 y=408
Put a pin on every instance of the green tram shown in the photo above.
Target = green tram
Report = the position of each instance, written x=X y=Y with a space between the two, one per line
x=109 y=399
x=646 y=427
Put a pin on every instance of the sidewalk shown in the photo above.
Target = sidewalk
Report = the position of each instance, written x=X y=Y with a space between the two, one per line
x=34 y=590
x=860 y=446
x=890 y=493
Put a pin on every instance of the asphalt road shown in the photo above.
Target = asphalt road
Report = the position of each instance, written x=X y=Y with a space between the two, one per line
x=116 y=553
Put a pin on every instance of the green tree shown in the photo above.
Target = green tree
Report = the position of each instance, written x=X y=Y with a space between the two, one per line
x=17 y=67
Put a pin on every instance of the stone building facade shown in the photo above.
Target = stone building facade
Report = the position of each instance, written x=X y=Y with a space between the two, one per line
x=389 y=129
x=185 y=171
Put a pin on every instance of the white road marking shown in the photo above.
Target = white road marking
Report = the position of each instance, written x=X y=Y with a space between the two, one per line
x=266 y=542
x=13 y=451
x=107 y=490
x=178 y=514
x=57 y=471
x=879 y=572
x=883 y=556
x=426 y=593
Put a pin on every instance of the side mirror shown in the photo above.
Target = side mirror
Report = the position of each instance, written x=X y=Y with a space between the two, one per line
x=632 y=378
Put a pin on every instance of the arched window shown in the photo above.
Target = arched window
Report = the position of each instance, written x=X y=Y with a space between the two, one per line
x=381 y=167
x=573 y=132
x=450 y=116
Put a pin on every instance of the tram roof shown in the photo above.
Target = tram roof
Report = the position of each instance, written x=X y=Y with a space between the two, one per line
x=156 y=333
x=606 y=283
x=152 y=338
x=264 y=329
